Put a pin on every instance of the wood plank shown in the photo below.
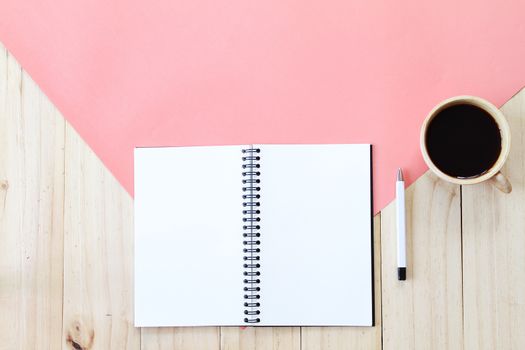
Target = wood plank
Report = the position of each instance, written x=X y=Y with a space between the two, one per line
x=494 y=250
x=180 y=338
x=31 y=207
x=276 y=338
x=98 y=254
x=352 y=337
x=425 y=311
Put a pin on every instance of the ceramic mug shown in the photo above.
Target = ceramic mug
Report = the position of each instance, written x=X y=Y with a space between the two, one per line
x=491 y=174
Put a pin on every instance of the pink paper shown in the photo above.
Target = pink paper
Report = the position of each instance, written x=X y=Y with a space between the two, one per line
x=208 y=72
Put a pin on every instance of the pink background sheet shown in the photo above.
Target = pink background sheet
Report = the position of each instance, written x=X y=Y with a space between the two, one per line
x=207 y=72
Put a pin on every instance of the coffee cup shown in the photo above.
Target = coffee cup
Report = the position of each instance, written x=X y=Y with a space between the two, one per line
x=466 y=140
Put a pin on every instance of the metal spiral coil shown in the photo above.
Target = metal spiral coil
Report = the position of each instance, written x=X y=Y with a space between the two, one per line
x=251 y=233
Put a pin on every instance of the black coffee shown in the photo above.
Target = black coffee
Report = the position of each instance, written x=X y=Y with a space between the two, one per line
x=463 y=141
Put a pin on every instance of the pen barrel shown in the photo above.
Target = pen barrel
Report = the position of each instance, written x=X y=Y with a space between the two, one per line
x=401 y=224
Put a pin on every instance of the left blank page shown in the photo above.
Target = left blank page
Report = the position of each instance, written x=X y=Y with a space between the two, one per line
x=188 y=236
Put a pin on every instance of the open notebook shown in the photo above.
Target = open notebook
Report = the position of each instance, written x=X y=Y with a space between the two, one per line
x=265 y=235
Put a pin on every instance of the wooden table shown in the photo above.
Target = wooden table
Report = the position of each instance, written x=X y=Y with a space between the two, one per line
x=66 y=252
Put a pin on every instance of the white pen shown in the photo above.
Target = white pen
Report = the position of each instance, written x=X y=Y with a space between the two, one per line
x=401 y=227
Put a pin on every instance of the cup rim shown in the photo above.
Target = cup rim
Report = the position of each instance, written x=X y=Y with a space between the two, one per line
x=494 y=112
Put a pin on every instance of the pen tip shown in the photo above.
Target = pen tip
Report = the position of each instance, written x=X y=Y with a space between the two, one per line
x=399 y=175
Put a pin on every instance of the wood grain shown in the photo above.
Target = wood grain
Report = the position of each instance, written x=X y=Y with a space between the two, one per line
x=494 y=250
x=245 y=338
x=331 y=338
x=181 y=338
x=425 y=311
x=31 y=212
x=98 y=254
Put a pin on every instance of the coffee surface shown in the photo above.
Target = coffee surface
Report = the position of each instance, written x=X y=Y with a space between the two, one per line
x=463 y=141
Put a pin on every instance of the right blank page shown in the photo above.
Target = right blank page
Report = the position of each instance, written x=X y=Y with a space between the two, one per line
x=316 y=239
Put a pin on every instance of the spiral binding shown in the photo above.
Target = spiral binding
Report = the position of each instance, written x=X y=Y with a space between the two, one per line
x=251 y=227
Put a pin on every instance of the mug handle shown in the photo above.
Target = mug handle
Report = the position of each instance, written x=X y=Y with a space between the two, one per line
x=501 y=182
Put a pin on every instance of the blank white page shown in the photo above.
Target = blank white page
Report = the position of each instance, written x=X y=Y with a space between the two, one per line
x=316 y=239
x=188 y=236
